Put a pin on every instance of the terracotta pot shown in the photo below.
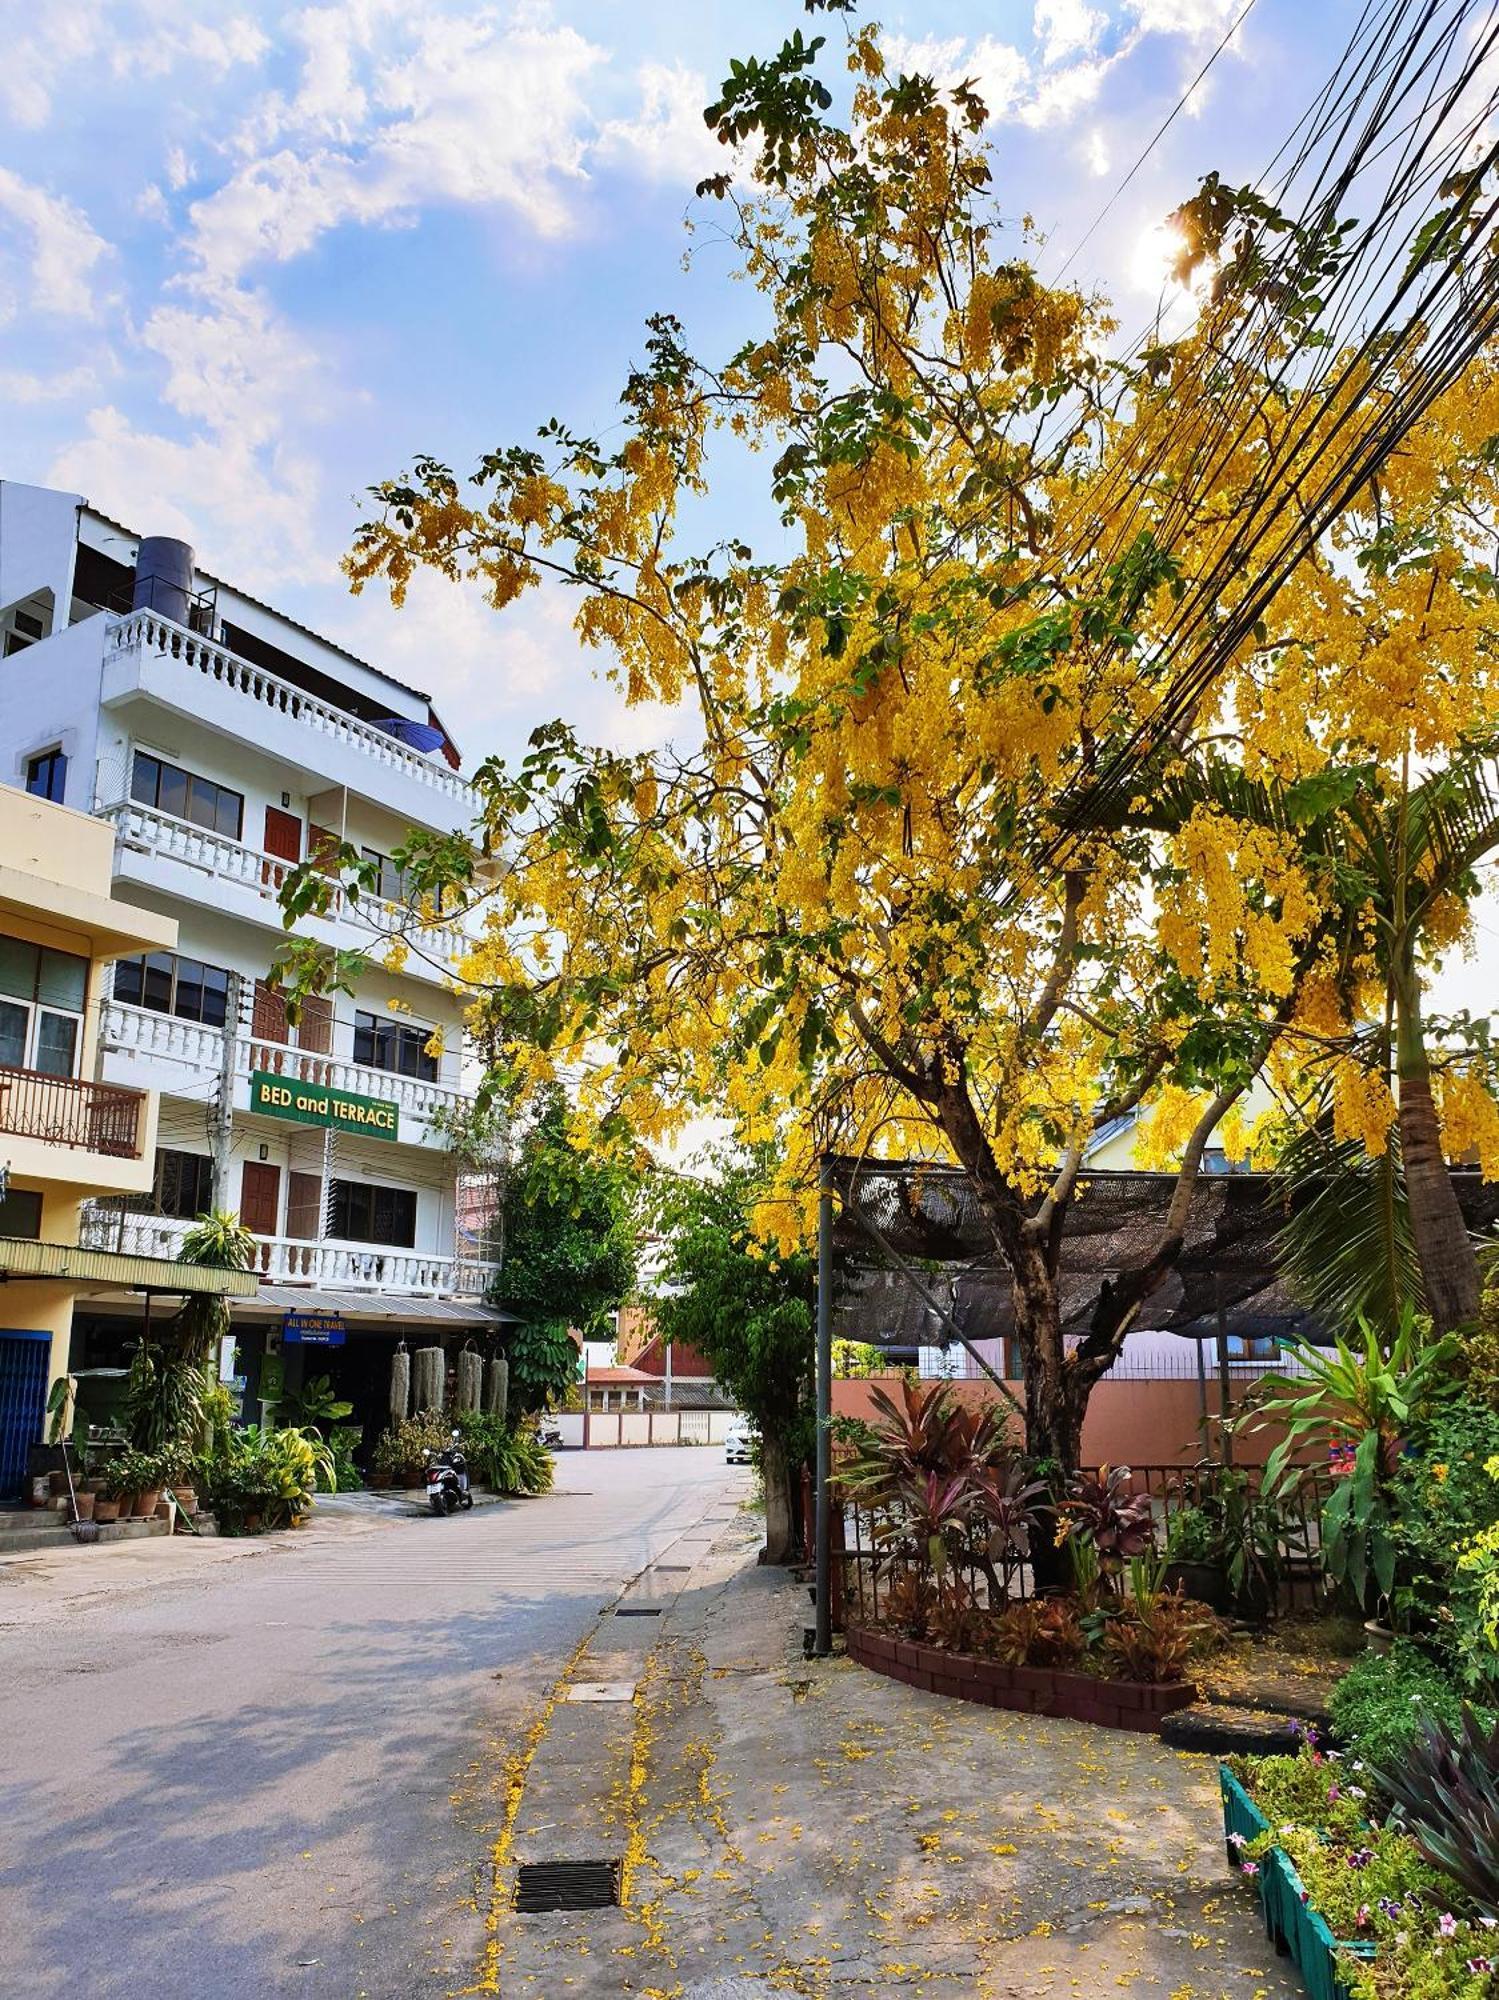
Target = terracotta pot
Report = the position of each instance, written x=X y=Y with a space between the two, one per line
x=1378 y=1638
x=58 y=1482
x=378 y=1482
x=146 y=1503
x=86 y=1503
x=91 y=1486
x=252 y=1522
x=106 y=1510
x=187 y=1499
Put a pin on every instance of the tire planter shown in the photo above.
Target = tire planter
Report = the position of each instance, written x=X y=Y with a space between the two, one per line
x=1137 y=1705
x=1291 y=1924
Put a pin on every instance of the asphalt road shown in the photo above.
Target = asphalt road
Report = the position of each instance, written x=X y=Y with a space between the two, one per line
x=276 y=1776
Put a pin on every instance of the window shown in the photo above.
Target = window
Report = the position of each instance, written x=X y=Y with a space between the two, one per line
x=390 y=881
x=25 y=629
x=184 y=1183
x=47 y=776
x=21 y=1214
x=153 y=782
x=1253 y=1347
x=363 y=1213
x=41 y=1007
x=168 y=984
x=396 y=1046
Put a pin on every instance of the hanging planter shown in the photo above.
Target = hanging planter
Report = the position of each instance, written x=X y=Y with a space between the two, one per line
x=469 y=1389
x=428 y=1376
x=497 y=1388
x=400 y=1383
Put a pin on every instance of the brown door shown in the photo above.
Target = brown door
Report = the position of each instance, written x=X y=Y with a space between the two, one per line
x=323 y=847
x=304 y=1206
x=268 y=1024
x=315 y=1027
x=260 y=1197
x=283 y=838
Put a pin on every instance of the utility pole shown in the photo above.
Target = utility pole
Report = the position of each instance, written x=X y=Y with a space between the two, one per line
x=823 y=1641
x=223 y=1109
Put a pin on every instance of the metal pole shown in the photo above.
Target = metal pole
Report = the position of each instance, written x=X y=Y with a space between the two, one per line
x=823 y=1644
x=1225 y=1436
x=1202 y=1392
x=667 y=1404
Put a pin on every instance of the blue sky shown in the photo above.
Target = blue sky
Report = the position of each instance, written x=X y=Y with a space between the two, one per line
x=255 y=256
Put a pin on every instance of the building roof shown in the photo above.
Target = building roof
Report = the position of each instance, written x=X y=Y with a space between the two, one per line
x=396 y=1306
x=274 y=610
x=615 y=1376
x=119 y=1271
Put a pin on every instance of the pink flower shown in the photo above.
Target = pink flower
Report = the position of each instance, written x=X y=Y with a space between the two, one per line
x=1447 y=1924
x=1250 y=1867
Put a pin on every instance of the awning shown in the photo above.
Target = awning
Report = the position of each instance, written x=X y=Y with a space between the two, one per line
x=402 y=1307
x=116 y=1270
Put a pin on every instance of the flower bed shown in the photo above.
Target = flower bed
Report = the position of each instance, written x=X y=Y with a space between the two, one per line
x=1115 y=1704
x=1360 y=1911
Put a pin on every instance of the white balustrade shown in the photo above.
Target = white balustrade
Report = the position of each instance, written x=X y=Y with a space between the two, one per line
x=144 y=830
x=416 y=1097
x=372 y=1267
x=148 y=633
x=160 y=1037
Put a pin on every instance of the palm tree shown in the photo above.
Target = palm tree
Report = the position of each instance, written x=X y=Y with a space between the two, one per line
x=169 y=1374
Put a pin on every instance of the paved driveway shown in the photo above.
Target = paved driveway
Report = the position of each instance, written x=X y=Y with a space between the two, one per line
x=275 y=1774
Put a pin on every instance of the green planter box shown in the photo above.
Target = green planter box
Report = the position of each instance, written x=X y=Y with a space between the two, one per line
x=1291 y=1924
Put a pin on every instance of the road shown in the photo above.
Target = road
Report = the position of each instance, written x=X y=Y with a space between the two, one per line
x=276 y=1775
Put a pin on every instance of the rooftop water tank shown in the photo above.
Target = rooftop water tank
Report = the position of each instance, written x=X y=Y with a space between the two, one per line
x=163 y=578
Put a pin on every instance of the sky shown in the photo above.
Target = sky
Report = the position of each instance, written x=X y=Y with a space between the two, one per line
x=256 y=256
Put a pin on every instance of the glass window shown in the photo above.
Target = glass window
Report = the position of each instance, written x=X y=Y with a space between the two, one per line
x=201 y=800
x=14 y=1023
x=47 y=776
x=390 y=882
x=41 y=1019
x=363 y=1213
x=56 y=1042
x=21 y=1213
x=168 y=984
x=397 y=1046
x=184 y=1183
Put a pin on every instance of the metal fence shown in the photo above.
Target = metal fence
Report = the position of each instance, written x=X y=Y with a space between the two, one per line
x=66 y=1111
x=878 y=1563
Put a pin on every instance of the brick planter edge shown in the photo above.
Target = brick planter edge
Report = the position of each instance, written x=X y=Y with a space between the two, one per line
x=1137 y=1705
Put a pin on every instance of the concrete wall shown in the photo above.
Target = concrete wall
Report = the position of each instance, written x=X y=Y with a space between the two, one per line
x=607 y=1431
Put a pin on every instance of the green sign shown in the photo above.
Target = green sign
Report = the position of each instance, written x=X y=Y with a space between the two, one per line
x=321 y=1104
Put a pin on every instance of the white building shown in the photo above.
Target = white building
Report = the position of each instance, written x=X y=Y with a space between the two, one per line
x=224 y=742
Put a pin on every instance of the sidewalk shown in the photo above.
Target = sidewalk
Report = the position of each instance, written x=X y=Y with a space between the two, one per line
x=811 y=1828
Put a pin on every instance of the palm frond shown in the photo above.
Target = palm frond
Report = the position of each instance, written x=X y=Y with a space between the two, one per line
x=1346 y=1246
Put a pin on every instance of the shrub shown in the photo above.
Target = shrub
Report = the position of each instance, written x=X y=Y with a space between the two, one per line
x=1383 y=1702
x=1445 y=1789
x=1153 y=1640
x=401 y=1450
x=505 y=1456
x=1446 y=1501
x=1039 y=1632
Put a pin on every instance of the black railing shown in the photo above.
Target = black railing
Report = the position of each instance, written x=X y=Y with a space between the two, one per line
x=879 y=1564
x=66 y=1111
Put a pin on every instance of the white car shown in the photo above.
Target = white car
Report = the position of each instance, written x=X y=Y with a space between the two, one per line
x=739 y=1445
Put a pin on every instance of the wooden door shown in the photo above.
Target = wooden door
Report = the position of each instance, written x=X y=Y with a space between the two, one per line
x=304 y=1206
x=268 y=1025
x=315 y=1027
x=260 y=1198
x=283 y=838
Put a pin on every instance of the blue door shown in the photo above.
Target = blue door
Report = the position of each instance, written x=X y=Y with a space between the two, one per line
x=23 y=1403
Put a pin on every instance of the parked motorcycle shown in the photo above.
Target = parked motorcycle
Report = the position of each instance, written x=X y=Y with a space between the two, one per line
x=447 y=1479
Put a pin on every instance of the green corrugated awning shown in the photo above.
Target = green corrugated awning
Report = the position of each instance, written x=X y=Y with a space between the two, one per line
x=114 y=1269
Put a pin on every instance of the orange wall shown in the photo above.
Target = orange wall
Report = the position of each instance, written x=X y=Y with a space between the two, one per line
x=1128 y=1423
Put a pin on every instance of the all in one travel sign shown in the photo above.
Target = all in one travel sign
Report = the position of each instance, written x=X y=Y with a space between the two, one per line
x=321 y=1104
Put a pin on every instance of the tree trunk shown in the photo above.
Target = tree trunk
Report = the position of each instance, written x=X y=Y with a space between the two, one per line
x=1444 y=1249
x=780 y=1537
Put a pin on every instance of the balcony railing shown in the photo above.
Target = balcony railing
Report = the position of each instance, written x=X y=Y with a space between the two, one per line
x=147 y=633
x=354 y=1267
x=163 y=1038
x=66 y=1111
x=144 y=830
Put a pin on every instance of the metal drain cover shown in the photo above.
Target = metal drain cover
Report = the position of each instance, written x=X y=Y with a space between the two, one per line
x=567 y=1885
x=639 y=1611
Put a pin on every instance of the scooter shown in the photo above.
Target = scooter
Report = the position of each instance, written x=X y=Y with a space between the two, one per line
x=447 y=1479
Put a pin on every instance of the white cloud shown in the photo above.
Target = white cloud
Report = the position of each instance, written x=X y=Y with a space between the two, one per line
x=57 y=385
x=668 y=141
x=999 y=72
x=56 y=244
x=232 y=365
x=1197 y=18
x=1066 y=28
x=125 y=39
x=1096 y=152
x=462 y=112
x=247 y=511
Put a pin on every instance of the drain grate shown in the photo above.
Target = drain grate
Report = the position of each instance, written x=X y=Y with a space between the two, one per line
x=567 y=1885
x=671 y=1569
x=638 y=1611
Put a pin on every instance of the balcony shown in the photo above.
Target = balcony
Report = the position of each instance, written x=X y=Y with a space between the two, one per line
x=349 y=1267
x=102 y=1118
x=145 y=653
x=202 y=865
x=153 y=1040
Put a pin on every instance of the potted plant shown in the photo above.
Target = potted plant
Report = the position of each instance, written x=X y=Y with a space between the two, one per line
x=1194 y=1557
